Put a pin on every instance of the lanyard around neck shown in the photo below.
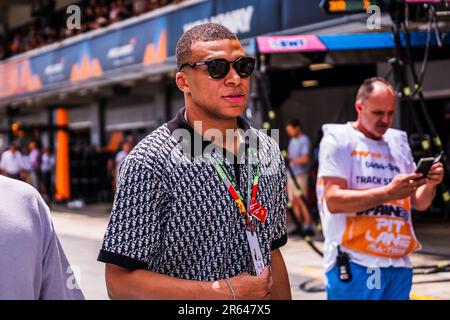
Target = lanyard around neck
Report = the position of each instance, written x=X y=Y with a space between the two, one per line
x=230 y=184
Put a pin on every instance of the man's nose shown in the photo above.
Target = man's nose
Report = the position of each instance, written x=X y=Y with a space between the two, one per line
x=385 y=118
x=232 y=78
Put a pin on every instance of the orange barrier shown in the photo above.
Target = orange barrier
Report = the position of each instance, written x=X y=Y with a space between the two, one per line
x=62 y=156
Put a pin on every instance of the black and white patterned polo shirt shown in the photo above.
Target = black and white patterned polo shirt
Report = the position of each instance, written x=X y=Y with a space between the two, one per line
x=173 y=215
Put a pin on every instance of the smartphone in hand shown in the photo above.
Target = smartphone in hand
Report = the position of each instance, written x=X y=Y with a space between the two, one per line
x=425 y=164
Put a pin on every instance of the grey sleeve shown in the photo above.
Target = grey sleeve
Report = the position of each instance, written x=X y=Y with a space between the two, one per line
x=58 y=280
x=305 y=147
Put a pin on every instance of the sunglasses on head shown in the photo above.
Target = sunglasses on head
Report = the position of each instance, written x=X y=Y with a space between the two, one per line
x=219 y=68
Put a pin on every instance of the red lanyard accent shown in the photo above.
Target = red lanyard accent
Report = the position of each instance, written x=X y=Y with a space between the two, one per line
x=231 y=187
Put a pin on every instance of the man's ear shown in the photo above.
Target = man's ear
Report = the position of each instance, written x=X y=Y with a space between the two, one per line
x=182 y=82
x=358 y=106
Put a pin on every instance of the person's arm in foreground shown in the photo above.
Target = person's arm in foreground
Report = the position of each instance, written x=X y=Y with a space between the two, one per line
x=281 y=289
x=142 y=284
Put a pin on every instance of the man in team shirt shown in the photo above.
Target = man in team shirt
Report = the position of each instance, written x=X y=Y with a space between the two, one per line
x=366 y=191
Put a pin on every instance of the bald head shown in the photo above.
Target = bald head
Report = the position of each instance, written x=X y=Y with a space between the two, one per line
x=375 y=85
x=375 y=104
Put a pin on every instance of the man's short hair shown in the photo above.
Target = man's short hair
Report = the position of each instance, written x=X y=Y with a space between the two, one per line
x=295 y=123
x=201 y=33
x=369 y=85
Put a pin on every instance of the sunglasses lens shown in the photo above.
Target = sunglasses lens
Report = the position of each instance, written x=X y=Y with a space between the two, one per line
x=218 y=68
x=244 y=67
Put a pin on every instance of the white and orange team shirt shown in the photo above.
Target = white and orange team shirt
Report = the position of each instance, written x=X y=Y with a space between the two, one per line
x=382 y=236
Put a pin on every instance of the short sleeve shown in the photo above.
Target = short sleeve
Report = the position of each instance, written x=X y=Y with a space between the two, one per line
x=133 y=234
x=333 y=159
x=279 y=229
x=58 y=276
x=411 y=165
x=305 y=147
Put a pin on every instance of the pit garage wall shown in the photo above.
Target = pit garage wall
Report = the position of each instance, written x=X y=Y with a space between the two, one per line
x=436 y=87
x=85 y=117
x=437 y=79
x=142 y=107
x=315 y=107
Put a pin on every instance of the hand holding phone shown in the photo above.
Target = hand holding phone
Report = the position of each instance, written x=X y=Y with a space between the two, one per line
x=425 y=164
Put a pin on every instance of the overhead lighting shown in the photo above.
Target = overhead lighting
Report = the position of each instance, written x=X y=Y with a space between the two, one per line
x=320 y=66
x=310 y=83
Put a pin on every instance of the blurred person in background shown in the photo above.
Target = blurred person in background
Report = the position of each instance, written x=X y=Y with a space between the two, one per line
x=120 y=156
x=299 y=151
x=88 y=18
x=25 y=174
x=34 y=160
x=131 y=139
x=47 y=173
x=101 y=13
x=11 y=162
x=140 y=6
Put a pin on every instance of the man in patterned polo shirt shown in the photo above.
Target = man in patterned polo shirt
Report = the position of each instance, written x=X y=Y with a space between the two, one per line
x=179 y=227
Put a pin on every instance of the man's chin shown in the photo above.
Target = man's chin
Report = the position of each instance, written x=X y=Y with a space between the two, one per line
x=232 y=111
x=380 y=132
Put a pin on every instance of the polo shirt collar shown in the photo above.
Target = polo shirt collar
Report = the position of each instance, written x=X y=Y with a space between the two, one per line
x=179 y=122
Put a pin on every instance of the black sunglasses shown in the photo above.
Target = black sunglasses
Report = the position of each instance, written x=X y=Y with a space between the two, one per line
x=219 y=68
